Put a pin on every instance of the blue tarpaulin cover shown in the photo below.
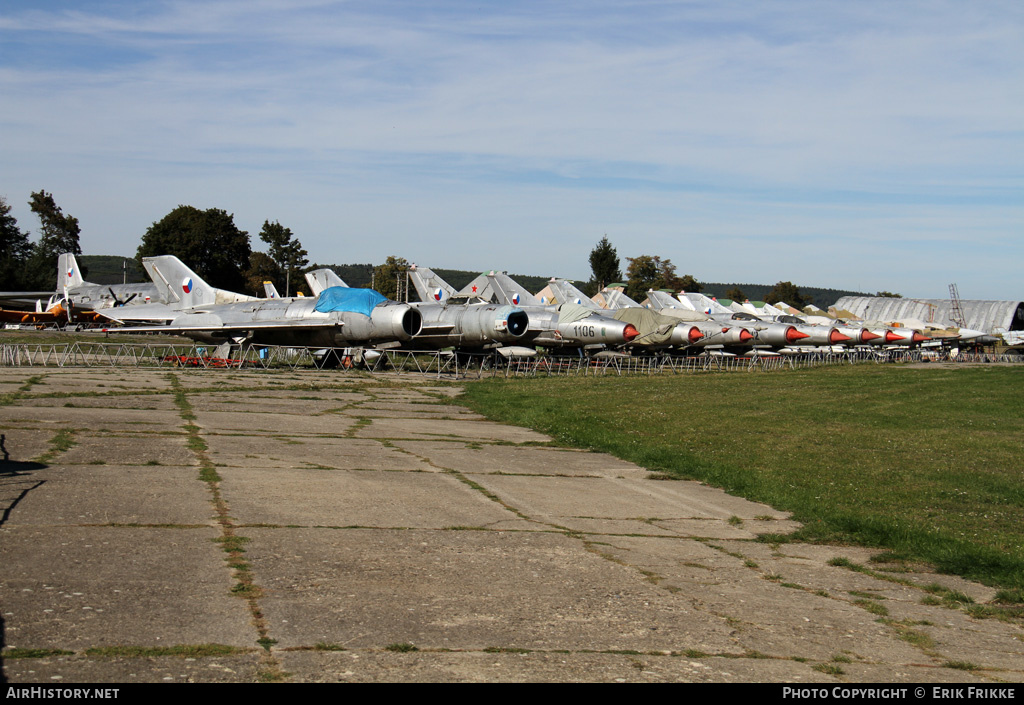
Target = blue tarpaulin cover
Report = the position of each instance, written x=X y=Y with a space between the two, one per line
x=342 y=298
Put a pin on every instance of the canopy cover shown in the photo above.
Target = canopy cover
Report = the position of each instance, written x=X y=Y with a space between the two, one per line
x=654 y=328
x=342 y=298
x=570 y=313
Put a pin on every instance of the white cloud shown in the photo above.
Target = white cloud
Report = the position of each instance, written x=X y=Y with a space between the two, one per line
x=537 y=123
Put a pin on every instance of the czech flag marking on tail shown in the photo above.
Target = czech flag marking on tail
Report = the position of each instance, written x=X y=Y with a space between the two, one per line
x=186 y=285
x=438 y=294
x=515 y=299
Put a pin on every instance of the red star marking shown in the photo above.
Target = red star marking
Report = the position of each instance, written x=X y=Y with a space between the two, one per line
x=474 y=289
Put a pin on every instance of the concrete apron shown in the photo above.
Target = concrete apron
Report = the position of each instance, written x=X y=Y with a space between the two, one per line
x=240 y=526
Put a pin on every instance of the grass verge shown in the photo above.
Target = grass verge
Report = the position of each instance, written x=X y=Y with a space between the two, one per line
x=924 y=462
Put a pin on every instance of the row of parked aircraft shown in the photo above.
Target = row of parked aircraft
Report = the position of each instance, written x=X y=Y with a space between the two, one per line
x=491 y=312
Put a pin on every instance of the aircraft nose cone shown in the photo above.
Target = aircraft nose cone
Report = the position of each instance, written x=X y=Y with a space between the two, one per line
x=891 y=337
x=630 y=332
x=695 y=334
x=835 y=337
x=867 y=335
x=745 y=335
x=793 y=335
x=918 y=338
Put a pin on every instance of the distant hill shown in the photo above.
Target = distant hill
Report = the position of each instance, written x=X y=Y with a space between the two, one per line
x=107 y=269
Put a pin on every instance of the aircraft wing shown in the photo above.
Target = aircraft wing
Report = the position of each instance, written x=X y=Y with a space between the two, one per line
x=141 y=313
x=25 y=298
x=207 y=324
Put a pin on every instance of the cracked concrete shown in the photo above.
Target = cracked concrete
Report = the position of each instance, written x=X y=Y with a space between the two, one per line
x=329 y=527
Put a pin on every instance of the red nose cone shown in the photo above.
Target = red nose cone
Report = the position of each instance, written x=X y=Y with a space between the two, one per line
x=695 y=334
x=793 y=335
x=630 y=332
x=835 y=337
x=745 y=335
x=866 y=335
x=918 y=338
x=891 y=337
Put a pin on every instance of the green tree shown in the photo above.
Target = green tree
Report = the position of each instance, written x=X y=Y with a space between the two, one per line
x=206 y=241
x=646 y=272
x=787 y=292
x=604 y=266
x=15 y=251
x=261 y=268
x=736 y=294
x=286 y=253
x=59 y=233
x=688 y=283
x=386 y=276
x=888 y=295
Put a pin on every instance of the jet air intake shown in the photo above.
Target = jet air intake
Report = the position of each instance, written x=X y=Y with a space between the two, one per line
x=516 y=323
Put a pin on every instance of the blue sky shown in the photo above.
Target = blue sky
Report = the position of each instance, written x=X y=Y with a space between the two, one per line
x=862 y=145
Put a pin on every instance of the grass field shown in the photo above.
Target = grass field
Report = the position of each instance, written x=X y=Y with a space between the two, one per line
x=927 y=462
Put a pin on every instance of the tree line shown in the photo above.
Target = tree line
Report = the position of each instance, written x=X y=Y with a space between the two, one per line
x=210 y=243
x=647 y=272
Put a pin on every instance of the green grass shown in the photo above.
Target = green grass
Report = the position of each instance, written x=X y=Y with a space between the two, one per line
x=923 y=462
x=183 y=651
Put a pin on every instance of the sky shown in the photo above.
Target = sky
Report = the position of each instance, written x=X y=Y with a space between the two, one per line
x=870 y=145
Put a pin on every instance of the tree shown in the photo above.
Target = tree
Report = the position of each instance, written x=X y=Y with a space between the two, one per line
x=888 y=295
x=15 y=251
x=688 y=283
x=206 y=241
x=386 y=276
x=59 y=233
x=736 y=294
x=604 y=265
x=285 y=252
x=261 y=269
x=787 y=292
x=647 y=272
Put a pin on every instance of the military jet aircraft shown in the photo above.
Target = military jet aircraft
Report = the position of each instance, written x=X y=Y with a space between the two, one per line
x=560 y=327
x=783 y=332
x=338 y=317
x=461 y=324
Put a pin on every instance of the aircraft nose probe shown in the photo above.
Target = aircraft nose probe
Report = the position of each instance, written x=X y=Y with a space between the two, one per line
x=630 y=332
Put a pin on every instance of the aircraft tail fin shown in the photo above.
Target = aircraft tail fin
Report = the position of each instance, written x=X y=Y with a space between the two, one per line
x=566 y=293
x=270 y=290
x=182 y=288
x=430 y=287
x=513 y=292
x=320 y=279
x=68 y=273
